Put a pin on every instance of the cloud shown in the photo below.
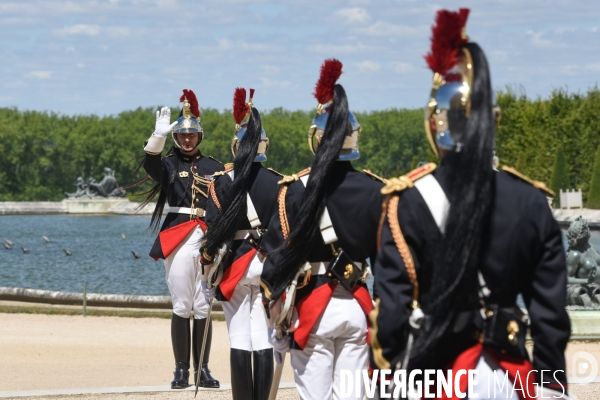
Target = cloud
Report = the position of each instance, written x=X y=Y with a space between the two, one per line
x=270 y=69
x=353 y=15
x=593 y=67
x=537 y=41
x=337 y=48
x=80 y=65
x=15 y=84
x=570 y=69
x=564 y=29
x=227 y=44
x=401 y=67
x=368 y=66
x=380 y=28
x=268 y=83
x=79 y=29
x=40 y=74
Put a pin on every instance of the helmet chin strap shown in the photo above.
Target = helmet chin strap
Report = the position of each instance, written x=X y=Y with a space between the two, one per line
x=177 y=145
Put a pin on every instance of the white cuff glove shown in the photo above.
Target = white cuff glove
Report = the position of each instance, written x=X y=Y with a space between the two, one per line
x=209 y=293
x=279 y=345
x=156 y=142
x=163 y=122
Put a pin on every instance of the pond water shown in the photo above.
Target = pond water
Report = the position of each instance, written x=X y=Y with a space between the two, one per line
x=100 y=256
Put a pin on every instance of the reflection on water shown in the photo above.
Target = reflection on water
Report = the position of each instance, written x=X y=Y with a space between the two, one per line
x=100 y=256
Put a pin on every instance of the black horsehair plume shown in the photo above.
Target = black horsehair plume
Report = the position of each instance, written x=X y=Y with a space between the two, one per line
x=292 y=254
x=470 y=193
x=234 y=208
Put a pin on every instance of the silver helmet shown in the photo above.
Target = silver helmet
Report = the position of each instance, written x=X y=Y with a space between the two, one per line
x=189 y=121
x=241 y=113
x=349 y=149
x=261 y=153
x=331 y=69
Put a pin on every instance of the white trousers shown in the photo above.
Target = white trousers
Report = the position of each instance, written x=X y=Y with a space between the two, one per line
x=492 y=381
x=244 y=312
x=183 y=277
x=337 y=342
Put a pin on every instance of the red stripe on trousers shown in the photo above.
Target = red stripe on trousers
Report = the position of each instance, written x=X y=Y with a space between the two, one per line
x=234 y=273
x=468 y=360
x=312 y=307
x=172 y=237
x=361 y=294
x=309 y=310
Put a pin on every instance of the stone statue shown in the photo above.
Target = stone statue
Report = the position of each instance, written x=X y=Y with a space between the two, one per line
x=106 y=188
x=583 y=263
x=81 y=186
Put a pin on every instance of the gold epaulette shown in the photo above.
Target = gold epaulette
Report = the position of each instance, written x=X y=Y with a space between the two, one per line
x=294 y=177
x=275 y=172
x=376 y=177
x=406 y=181
x=537 y=184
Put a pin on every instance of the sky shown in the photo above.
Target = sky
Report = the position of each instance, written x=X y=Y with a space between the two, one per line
x=107 y=56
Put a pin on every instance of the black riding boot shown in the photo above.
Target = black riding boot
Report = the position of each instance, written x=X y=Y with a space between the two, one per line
x=241 y=374
x=180 y=337
x=206 y=380
x=263 y=373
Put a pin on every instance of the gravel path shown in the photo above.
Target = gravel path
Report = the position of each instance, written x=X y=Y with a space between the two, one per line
x=283 y=394
x=44 y=352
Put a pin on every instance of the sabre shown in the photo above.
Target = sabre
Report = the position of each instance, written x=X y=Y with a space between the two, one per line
x=280 y=361
x=213 y=278
x=283 y=323
x=196 y=376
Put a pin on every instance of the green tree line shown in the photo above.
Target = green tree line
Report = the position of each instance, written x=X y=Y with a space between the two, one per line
x=42 y=154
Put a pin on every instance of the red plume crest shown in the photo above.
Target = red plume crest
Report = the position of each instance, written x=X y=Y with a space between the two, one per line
x=446 y=40
x=240 y=107
x=191 y=97
x=330 y=73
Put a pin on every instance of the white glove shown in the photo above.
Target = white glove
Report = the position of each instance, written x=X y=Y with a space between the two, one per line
x=156 y=142
x=163 y=122
x=209 y=293
x=279 y=345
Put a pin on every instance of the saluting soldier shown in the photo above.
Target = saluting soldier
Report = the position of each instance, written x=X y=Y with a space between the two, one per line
x=241 y=201
x=182 y=177
x=320 y=238
x=459 y=242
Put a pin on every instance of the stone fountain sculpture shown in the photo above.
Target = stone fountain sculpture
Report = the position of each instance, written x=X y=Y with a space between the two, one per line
x=107 y=188
x=583 y=264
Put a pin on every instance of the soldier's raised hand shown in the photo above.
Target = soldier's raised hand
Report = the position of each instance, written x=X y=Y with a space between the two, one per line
x=163 y=122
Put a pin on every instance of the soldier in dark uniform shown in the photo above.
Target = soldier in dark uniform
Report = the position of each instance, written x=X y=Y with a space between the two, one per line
x=461 y=241
x=182 y=177
x=329 y=211
x=241 y=202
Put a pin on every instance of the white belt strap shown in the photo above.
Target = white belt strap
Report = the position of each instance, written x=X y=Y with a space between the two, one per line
x=251 y=213
x=241 y=234
x=438 y=205
x=325 y=224
x=435 y=198
x=199 y=212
